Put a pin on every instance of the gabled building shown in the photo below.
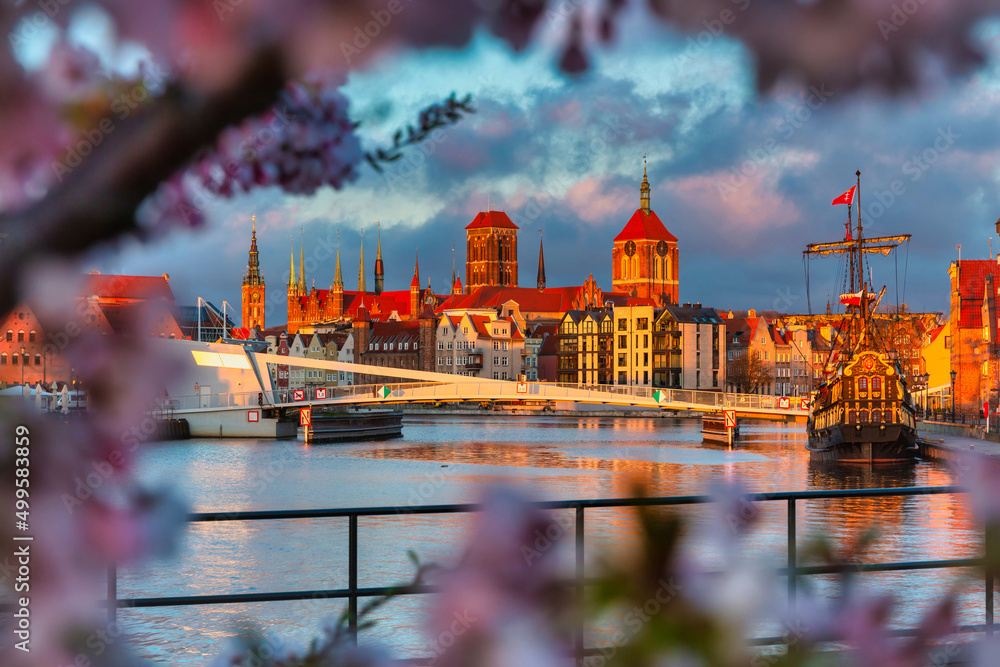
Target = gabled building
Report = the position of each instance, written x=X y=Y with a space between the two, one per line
x=633 y=344
x=968 y=343
x=585 y=347
x=690 y=348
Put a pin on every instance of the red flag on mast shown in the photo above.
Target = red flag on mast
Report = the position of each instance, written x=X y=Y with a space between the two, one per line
x=846 y=198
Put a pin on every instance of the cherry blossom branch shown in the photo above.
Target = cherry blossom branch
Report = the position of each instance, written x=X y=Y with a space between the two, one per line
x=97 y=201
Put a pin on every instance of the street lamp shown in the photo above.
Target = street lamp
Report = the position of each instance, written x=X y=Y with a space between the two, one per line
x=952 y=395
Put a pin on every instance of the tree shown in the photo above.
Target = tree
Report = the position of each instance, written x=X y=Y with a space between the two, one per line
x=748 y=372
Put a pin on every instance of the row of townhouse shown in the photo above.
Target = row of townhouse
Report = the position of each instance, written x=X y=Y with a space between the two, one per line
x=333 y=346
x=640 y=345
x=481 y=343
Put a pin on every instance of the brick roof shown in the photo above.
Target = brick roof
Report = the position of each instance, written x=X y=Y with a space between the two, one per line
x=487 y=219
x=644 y=225
x=971 y=283
x=529 y=299
x=395 y=332
x=127 y=287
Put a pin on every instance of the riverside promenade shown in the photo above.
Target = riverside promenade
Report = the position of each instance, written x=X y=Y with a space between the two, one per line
x=945 y=441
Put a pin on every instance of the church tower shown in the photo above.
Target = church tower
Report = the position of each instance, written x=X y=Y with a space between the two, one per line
x=361 y=267
x=294 y=310
x=415 y=291
x=337 y=288
x=253 y=287
x=541 y=263
x=379 y=267
x=491 y=251
x=644 y=257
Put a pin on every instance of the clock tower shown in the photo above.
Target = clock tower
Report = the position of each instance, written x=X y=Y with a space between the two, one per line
x=253 y=287
x=644 y=256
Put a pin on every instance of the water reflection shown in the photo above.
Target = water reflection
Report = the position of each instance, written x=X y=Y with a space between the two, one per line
x=449 y=459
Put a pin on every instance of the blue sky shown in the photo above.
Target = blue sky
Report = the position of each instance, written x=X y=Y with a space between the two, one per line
x=743 y=181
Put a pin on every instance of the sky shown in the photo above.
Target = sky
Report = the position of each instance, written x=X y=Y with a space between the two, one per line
x=743 y=181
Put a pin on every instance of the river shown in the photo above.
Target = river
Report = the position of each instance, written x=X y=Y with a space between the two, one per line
x=450 y=459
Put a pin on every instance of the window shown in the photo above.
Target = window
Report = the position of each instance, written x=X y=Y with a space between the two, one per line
x=876 y=385
x=645 y=340
x=715 y=378
x=20 y=336
x=862 y=384
x=503 y=376
x=465 y=330
x=449 y=361
x=621 y=359
x=376 y=347
x=440 y=361
x=414 y=345
x=440 y=344
x=496 y=375
x=505 y=363
x=449 y=345
x=389 y=346
x=3 y=358
x=505 y=345
x=31 y=336
x=496 y=361
x=623 y=341
x=10 y=335
x=13 y=359
x=622 y=324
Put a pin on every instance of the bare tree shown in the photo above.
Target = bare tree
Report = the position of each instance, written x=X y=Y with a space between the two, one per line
x=748 y=373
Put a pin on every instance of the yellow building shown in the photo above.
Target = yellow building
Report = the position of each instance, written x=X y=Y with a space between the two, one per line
x=936 y=354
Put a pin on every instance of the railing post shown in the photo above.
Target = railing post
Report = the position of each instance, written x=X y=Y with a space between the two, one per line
x=352 y=576
x=580 y=570
x=112 y=594
x=792 y=573
x=989 y=599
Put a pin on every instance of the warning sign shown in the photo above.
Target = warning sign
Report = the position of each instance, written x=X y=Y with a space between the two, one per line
x=253 y=416
x=784 y=403
x=382 y=392
x=522 y=387
x=305 y=416
x=730 y=416
x=298 y=395
x=320 y=393
x=804 y=405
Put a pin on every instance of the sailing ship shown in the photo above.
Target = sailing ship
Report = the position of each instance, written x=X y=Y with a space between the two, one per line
x=862 y=411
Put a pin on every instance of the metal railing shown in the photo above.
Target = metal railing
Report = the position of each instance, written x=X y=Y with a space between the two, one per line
x=494 y=390
x=793 y=570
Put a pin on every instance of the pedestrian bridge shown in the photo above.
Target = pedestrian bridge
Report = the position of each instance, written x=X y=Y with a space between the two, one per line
x=429 y=387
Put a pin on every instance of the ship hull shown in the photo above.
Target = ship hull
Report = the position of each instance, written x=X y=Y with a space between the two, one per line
x=863 y=443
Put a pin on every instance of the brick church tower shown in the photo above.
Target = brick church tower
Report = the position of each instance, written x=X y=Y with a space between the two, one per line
x=253 y=287
x=644 y=257
x=491 y=251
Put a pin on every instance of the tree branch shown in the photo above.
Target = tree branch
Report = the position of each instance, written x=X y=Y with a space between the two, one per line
x=97 y=201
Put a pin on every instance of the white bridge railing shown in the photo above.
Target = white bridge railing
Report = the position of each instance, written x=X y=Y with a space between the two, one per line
x=488 y=390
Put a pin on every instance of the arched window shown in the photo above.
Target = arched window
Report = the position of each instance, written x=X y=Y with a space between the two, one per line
x=38 y=359
x=864 y=416
x=31 y=336
x=13 y=358
x=862 y=384
x=876 y=416
x=890 y=415
x=635 y=266
x=3 y=358
x=20 y=336
x=10 y=336
x=852 y=417
x=656 y=270
x=876 y=384
x=624 y=276
x=666 y=269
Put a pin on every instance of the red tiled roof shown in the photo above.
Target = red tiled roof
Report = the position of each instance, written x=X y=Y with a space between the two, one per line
x=487 y=219
x=645 y=226
x=550 y=300
x=127 y=287
x=971 y=282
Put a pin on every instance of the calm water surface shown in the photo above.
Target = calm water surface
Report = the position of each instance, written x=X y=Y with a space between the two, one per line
x=450 y=459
